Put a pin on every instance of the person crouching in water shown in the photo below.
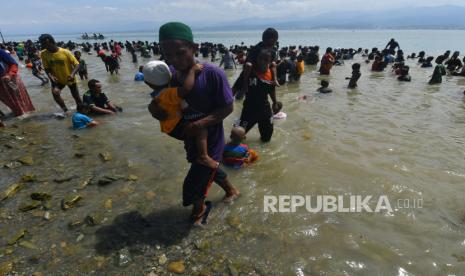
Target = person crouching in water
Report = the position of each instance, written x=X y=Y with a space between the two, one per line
x=81 y=120
x=97 y=100
x=237 y=154
x=167 y=103
x=256 y=108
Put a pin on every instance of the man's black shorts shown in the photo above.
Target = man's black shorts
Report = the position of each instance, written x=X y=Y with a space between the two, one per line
x=60 y=86
x=198 y=182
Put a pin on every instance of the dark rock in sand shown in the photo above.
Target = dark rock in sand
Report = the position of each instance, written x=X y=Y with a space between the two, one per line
x=41 y=196
x=26 y=160
x=29 y=206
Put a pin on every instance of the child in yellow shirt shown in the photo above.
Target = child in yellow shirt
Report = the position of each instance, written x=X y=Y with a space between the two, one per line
x=168 y=102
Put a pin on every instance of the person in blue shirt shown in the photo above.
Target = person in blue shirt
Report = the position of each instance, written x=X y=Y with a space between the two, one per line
x=81 y=120
x=139 y=75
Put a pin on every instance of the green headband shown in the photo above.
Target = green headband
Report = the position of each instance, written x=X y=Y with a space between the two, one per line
x=175 y=30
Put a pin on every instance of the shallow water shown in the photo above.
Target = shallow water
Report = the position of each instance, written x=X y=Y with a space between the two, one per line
x=402 y=140
x=434 y=42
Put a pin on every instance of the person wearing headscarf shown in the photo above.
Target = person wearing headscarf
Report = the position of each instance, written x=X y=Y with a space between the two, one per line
x=13 y=93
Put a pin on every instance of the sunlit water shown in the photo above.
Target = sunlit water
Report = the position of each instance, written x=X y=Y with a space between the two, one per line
x=402 y=140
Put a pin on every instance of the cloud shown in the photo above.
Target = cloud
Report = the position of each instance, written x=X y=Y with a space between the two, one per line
x=110 y=8
x=56 y=15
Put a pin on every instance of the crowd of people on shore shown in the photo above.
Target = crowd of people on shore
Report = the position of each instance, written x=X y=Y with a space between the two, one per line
x=191 y=99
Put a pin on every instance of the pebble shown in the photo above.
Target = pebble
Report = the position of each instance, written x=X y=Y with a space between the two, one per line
x=47 y=215
x=307 y=136
x=27 y=244
x=28 y=178
x=149 y=195
x=133 y=177
x=6 y=268
x=177 y=267
x=108 y=204
x=162 y=259
x=26 y=160
x=123 y=257
x=105 y=156
x=80 y=238
x=13 y=165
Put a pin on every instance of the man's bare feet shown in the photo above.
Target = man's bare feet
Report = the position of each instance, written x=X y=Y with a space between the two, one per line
x=200 y=218
x=207 y=161
x=2 y=124
x=231 y=196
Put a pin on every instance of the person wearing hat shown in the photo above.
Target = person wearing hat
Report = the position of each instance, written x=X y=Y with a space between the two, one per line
x=209 y=101
x=61 y=67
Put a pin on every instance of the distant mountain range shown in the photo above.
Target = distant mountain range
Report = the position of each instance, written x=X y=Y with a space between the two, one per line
x=442 y=17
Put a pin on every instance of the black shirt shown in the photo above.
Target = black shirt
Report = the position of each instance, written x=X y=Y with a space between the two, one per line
x=91 y=99
x=256 y=98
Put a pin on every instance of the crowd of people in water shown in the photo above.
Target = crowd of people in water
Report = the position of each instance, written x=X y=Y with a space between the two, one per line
x=190 y=99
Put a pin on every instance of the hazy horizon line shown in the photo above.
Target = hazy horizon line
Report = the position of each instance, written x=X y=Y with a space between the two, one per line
x=252 y=29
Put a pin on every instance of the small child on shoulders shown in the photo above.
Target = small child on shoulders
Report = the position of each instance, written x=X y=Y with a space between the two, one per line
x=236 y=154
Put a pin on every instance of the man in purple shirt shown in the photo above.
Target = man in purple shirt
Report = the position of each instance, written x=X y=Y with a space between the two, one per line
x=209 y=102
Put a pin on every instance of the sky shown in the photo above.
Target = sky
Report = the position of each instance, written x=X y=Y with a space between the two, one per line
x=70 y=16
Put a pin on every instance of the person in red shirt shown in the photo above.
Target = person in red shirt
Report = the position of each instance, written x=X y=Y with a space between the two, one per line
x=327 y=62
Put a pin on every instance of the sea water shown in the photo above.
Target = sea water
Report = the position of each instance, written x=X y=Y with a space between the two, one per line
x=401 y=140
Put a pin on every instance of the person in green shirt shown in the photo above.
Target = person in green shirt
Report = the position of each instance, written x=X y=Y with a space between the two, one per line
x=439 y=71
